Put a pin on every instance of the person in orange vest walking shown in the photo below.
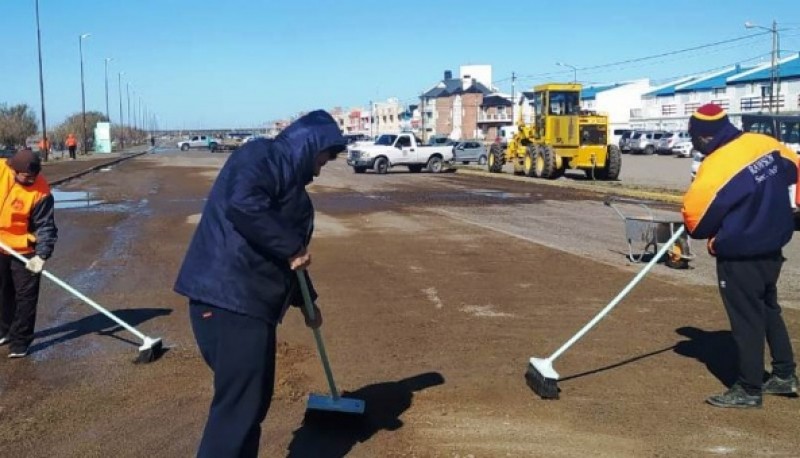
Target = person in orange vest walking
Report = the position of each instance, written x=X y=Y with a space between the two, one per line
x=44 y=145
x=27 y=225
x=72 y=144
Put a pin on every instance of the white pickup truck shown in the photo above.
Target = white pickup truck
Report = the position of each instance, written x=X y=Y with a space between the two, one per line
x=404 y=149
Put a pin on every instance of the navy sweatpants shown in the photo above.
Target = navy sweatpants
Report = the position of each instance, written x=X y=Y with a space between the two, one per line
x=749 y=292
x=240 y=350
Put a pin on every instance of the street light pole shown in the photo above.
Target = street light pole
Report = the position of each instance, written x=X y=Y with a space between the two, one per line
x=83 y=92
x=41 y=83
x=128 y=96
x=108 y=113
x=574 y=70
x=121 y=119
x=774 y=74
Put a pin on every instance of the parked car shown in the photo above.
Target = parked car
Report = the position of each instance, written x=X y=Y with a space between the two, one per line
x=440 y=141
x=697 y=159
x=625 y=139
x=669 y=140
x=469 y=151
x=683 y=149
x=644 y=142
x=616 y=135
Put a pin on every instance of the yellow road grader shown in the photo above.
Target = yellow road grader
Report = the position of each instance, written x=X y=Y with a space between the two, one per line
x=561 y=137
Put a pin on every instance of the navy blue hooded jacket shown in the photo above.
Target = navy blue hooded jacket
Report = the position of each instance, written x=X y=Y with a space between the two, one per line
x=257 y=216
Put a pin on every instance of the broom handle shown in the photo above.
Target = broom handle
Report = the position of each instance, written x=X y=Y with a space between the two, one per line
x=308 y=302
x=77 y=294
x=621 y=295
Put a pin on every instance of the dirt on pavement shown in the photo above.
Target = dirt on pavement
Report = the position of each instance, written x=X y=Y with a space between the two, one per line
x=430 y=320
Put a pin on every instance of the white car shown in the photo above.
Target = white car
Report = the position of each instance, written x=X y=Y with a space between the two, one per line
x=683 y=149
x=697 y=159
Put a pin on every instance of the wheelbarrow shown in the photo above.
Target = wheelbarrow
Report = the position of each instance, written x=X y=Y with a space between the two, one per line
x=646 y=231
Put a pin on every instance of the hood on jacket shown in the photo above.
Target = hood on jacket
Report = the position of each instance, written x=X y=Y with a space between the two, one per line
x=310 y=135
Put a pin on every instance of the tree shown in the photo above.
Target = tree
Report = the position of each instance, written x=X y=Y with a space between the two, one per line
x=17 y=123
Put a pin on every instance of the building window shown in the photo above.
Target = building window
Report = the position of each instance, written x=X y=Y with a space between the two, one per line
x=719 y=91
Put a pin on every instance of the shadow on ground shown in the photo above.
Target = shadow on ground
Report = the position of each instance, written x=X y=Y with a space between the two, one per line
x=95 y=324
x=715 y=349
x=333 y=435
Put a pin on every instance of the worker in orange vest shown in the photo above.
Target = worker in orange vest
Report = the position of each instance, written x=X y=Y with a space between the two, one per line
x=44 y=145
x=72 y=144
x=28 y=227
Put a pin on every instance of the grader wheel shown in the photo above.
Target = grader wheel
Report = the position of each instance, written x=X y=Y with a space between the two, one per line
x=495 y=159
x=546 y=163
x=529 y=163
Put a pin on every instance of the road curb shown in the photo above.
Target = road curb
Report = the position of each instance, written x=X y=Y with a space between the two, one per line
x=597 y=186
x=95 y=168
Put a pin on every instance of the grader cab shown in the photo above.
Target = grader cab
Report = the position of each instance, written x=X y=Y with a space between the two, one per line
x=561 y=137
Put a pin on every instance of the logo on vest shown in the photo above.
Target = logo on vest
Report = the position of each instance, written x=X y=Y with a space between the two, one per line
x=17 y=205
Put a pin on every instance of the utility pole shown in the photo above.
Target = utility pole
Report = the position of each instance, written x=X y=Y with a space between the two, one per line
x=83 y=92
x=121 y=119
x=128 y=96
x=371 y=119
x=422 y=116
x=108 y=113
x=41 y=82
x=513 y=96
x=774 y=74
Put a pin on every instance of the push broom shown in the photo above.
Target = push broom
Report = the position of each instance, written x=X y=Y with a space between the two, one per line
x=334 y=402
x=151 y=348
x=541 y=376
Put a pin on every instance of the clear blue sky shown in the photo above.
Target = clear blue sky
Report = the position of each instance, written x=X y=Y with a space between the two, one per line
x=203 y=64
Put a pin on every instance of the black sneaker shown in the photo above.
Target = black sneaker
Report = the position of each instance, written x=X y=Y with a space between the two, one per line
x=4 y=340
x=777 y=385
x=736 y=397
x=18 y=353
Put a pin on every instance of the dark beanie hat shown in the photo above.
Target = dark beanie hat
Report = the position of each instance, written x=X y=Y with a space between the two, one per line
x=25 y=161
x=708 y=120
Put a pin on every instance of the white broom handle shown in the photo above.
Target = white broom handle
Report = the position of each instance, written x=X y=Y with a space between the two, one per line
x=301 y=278
x=76 y=293
x=621 y=295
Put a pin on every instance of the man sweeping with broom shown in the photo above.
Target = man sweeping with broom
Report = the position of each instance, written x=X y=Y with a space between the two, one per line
x=240 y=273
x=741 y=204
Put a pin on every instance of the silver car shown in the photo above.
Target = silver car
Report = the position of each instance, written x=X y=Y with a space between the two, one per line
x=666 y=143
x=469 y=151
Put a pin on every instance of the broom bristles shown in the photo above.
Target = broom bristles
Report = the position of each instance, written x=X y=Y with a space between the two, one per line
x=546 y=388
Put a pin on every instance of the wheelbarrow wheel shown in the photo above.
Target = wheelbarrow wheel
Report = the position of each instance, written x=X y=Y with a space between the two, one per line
x=675 y=256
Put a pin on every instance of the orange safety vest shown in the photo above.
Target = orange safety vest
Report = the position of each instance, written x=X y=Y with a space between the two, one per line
x=44 y=144
x=71 y=141
x=16 y=204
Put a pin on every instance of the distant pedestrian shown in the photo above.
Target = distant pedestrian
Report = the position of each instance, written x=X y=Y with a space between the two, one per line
x=27 y=226
x=72 y=145
x=740 y=202
x=239 y=276
x=44 y=145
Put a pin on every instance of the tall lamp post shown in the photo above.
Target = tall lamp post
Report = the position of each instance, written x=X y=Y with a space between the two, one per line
x=128 y=96
x=108 y=113
x=83 y=92
x=574 y=70
x=121 y=119
x=41 y=82
x=774 y=75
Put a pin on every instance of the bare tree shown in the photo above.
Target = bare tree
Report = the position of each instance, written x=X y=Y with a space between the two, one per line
x=17 y=123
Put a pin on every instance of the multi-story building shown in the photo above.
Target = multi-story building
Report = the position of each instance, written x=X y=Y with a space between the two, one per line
x=454 y=106
x=738 y=90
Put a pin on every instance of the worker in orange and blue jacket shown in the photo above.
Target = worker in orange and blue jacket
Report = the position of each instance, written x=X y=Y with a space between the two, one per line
x=27 y=226
x=740 y=201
